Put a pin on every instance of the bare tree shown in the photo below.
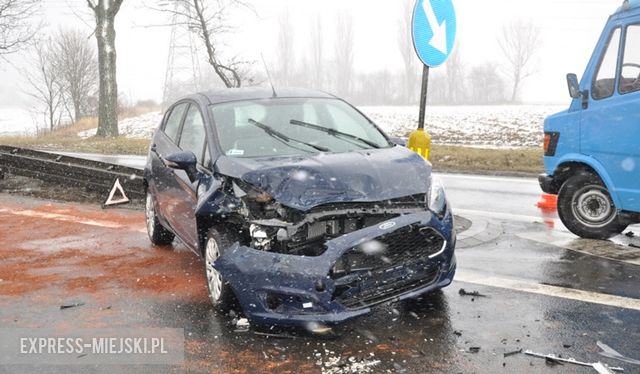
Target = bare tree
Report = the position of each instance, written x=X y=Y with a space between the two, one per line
x=105 y=12
x=486 y=85
x=76 y=63
x=284 y=49
x=317 y=52
x=409 y=58
x=344 y=54
x=520 y=41
x=455 y=77
x=43 y=83
x=210 y=21
x=15 y=30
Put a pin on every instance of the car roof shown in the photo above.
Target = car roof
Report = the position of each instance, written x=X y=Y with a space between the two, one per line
x=224 y=95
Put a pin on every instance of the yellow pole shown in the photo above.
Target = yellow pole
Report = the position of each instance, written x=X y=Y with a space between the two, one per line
x=420 y=140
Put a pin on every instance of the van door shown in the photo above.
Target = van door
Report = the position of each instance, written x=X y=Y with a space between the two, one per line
x=611 y=124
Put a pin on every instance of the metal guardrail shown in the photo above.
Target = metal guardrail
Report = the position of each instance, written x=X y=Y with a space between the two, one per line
x=68 y=171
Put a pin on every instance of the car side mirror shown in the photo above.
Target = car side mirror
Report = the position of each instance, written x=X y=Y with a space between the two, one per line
x=183 y=160
x=574 y=86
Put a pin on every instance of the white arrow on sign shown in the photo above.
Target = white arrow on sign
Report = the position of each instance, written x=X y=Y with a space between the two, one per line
x=439 y=39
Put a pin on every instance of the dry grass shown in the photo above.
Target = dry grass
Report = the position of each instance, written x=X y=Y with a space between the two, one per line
x=67 y=139
x=487 y=161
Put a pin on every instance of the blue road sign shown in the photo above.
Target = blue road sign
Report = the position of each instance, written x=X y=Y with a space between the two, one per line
x=434 y=30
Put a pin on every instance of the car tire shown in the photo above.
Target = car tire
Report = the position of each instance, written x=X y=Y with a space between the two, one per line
x=158 y=234
x=221 y=294
x=586 y=208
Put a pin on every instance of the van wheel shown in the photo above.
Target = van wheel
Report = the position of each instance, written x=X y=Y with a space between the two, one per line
x=586 y=209
x=220 y=292
x=158 y=234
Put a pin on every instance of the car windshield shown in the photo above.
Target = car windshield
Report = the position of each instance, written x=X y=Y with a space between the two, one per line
x=293 y=126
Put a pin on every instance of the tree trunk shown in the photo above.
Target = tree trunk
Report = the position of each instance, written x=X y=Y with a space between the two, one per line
x=516 y=85
x=108 y=95
x=77 y=109
x=514 y=94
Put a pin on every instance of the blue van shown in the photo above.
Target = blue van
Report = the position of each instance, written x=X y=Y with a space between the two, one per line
x=592 y=150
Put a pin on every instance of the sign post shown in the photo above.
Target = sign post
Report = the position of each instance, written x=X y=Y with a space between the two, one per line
x=434 y=35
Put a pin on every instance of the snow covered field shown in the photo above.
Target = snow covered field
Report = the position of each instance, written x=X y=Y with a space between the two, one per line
x=492 y=126
x=15 y=121
x=140 y=127
x=482 y=126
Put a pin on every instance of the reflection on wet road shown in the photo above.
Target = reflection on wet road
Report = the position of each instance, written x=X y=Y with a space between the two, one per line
x=545 y=290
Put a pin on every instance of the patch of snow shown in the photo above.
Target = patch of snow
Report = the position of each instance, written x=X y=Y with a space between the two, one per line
x=141 y=127
x=15 y=121
x=511 y=126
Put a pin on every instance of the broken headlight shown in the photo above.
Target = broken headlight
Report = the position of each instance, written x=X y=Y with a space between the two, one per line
x=437 y=198
x=253 y=193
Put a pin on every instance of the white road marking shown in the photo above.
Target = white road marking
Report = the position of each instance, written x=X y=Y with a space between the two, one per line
x=599 y=248
x=69 y=218
x=509 y=217
x=546 y=290
x=488 y=179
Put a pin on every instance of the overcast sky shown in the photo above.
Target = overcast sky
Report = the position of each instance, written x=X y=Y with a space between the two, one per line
x=570 y=29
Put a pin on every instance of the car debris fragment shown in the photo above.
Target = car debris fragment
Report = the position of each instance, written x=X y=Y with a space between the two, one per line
x=463 y=292
x=511 y=353
x=242 y=324
x=612 y=353
x=69 y=306
x=556 y=359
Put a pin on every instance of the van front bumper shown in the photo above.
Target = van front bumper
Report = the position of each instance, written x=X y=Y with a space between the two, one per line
x=548 y=184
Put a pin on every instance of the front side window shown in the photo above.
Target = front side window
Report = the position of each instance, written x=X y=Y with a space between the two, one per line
x=172 y=126
x=630 y=72
x=193 y=135
x=293 y=126
x=605 y=78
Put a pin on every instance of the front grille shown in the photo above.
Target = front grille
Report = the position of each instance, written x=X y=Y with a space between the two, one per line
x=401 y=247
x=386 y=267
x=353 y=297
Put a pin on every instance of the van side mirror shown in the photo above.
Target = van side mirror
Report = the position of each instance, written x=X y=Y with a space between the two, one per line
x=183 y=160
x=574 y=86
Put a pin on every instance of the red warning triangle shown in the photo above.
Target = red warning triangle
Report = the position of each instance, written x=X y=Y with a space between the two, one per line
x=117 y=195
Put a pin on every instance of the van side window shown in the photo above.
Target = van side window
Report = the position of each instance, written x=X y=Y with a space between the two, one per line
x=173 y=121
x=193 y=134
x=605 y=78
x=630 y=72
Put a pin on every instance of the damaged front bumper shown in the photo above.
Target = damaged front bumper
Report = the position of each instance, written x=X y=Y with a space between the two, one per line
x=343 y=283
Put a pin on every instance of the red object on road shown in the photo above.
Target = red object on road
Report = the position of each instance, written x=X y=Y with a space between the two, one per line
x=548 y=202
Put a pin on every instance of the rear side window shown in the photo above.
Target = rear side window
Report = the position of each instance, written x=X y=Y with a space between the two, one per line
x=172 y=126
x=605 y=78
x=630 y=71
x=193 y=134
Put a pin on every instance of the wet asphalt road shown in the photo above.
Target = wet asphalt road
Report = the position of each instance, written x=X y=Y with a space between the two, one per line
x=546 y=291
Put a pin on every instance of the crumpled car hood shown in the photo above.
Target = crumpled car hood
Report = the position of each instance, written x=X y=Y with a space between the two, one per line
x=306 y=182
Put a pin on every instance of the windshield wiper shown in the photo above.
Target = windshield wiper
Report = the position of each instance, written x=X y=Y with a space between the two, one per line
x=335 y=132
x=277 y=134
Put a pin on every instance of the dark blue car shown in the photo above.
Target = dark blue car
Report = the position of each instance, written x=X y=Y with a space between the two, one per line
x=302 y=209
